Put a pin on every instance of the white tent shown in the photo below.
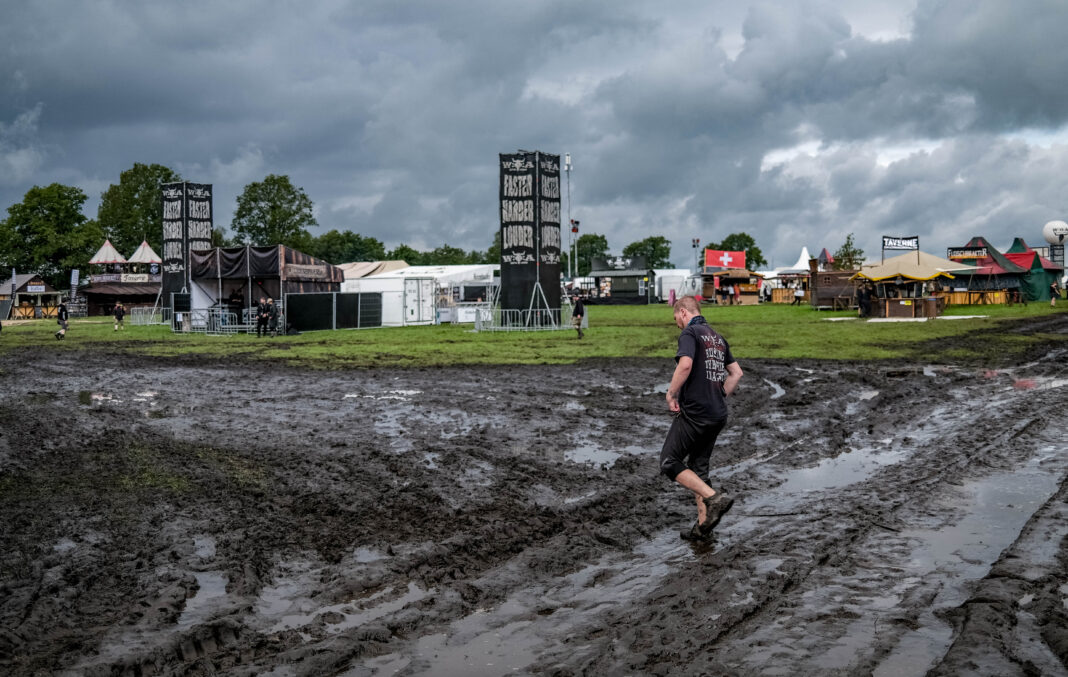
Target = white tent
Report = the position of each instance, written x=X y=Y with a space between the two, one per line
x=107 y=254
x=144 y=254
x=358 y=269
x=801 y=267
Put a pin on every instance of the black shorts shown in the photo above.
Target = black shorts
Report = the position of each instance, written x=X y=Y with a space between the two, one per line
x=689 y=445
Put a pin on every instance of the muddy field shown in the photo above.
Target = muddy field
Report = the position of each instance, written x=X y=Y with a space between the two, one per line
x=196 y=519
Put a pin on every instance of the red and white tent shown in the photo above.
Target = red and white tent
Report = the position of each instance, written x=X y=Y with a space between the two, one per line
x=107 y=254
x=145 y=254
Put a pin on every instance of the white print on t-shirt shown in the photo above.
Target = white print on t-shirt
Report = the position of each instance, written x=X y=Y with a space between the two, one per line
x=715 y=371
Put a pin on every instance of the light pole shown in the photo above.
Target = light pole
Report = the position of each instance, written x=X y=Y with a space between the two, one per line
x=696 y=255
x=567 y=168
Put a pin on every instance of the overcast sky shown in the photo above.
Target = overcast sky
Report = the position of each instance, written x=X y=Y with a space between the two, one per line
x=797 y=122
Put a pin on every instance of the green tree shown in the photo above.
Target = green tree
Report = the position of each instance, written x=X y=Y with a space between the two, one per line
x=445 y=255
x=336 y=246
x=47 y=234
x=741 y=242
x=590 y=246
x=273 y=211
x=409 y=255
x=132 y=210
x=848 y=256
x=493 y=254
x=656 y=249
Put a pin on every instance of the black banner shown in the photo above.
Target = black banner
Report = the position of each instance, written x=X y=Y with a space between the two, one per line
x=175 y=265
x=549 y=227
x=519 y=263
x=187 y=226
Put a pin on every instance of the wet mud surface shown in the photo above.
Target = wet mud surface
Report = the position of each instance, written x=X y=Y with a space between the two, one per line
x=189 y=519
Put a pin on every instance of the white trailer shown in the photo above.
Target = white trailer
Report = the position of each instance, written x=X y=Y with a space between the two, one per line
x=668 y=279
x=405 y=300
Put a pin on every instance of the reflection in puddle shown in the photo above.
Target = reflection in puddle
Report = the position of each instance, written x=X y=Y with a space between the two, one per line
x=350 y=614
x=840 y=471
x=778 y=390
x=997 y=508
x=599 y=456
x=211 y=586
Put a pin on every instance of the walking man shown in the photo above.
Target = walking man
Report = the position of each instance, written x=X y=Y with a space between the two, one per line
x=261 y=317
x=61 y=319
x=1054 y=294
x=577 y=313
x=705 y=375
x=272 y=317
x=120 y=313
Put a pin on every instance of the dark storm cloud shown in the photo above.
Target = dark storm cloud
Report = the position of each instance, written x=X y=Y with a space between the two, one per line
x=681 y=118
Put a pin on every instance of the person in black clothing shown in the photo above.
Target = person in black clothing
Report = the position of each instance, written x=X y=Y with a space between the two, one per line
x=705 y=375
x=272 y=317
x=119 y=312
x=61 y=319
x=261 y=317
x=577 y=313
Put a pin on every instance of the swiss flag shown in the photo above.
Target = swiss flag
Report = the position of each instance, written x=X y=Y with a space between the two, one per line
x=720 y=259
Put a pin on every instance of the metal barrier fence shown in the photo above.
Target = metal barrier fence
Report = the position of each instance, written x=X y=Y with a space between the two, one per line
x=498 y=319
x=149 y=316
x=208 y=321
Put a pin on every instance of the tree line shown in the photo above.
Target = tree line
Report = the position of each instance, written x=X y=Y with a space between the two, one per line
x=47 y=233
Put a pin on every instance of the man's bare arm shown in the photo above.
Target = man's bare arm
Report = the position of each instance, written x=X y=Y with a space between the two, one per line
x=682 y=372
x=734 y=374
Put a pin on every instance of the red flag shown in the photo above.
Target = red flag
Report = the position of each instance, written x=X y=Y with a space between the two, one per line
x=719 y=259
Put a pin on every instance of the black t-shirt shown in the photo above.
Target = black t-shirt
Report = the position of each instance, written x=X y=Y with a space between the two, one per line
x=579 y=310
x=702 y=397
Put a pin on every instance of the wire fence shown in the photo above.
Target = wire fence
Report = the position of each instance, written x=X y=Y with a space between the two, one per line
x=149 y=316
x=544 y=319
x=208 y=321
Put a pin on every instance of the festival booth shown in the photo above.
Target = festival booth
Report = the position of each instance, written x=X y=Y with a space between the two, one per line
x=832 y=289
x=33 y=298
x=621 y=280
x=905 y=284
x=135 y=281
x=789 y=279
x=987 y=276
x=1040 y=271
x=745 y=281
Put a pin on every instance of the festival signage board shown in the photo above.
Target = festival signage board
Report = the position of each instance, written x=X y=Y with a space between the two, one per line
x=519 y=269
x=548 y=214
x=901 y=243
x=187 y=226
x=965 y=253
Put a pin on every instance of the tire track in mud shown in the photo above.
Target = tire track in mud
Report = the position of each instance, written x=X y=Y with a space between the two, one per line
x=807 y=564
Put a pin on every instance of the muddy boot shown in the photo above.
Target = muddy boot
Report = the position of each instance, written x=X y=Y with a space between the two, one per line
x=694 y=534
x=715 y=508
x=57 y=335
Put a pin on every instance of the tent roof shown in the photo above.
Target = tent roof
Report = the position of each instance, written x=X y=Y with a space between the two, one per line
x=144 y=254
x=358 y=269
x=1030 y=260
x=826 y=257
x=994 y=257
x=472 y=271
x=916 y=265
x=107 y=254
x=20 y=282
x=1018 y=245
x=801 y=266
